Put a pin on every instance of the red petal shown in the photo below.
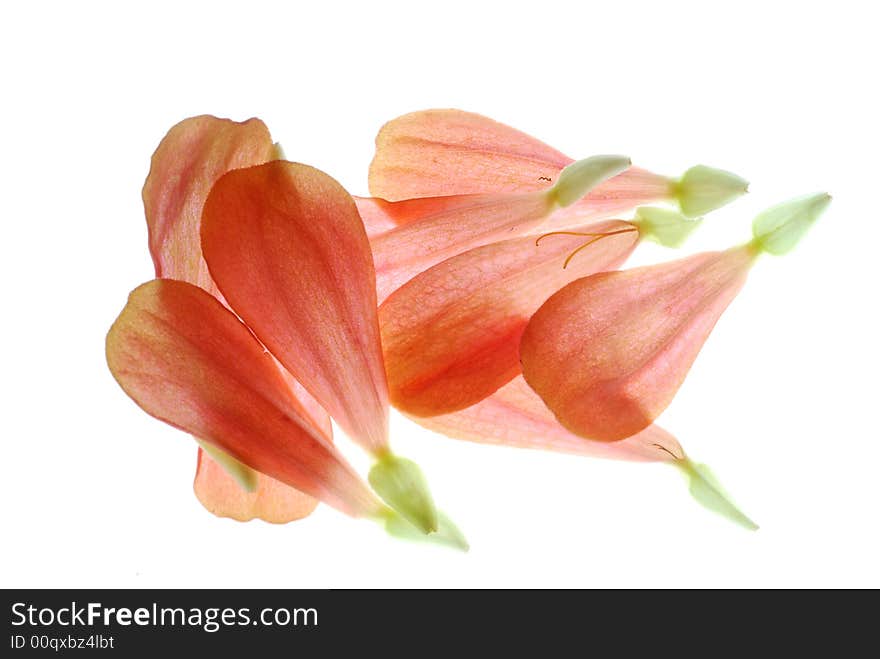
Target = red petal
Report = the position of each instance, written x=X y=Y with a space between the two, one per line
x=608 y=352
x=515 y=416
x=191 y=157
x=434 y=153
x=272 y=501
x=187 y=360
x=286 y=246
x=451 y=335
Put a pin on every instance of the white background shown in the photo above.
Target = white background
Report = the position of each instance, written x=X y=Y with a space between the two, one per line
x=782 y=402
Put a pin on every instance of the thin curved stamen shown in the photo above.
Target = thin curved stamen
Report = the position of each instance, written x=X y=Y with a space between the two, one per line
x=663 y=448
x=595 y=237
x=564 y=233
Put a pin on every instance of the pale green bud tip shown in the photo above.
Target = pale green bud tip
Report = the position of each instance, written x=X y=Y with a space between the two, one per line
x=447 y=533
x=402 y=486
x=240 y=472
x=663 y=225
x=703 y=189
x=278 y=152
x=707 y=491
x=778 y=229
x=580 y=177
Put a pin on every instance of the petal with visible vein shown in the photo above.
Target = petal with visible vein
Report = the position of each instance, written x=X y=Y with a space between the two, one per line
x=515 y=416
x=608 y=352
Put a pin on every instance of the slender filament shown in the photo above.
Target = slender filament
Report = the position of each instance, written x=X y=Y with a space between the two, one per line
x=663 y=448
x=594 y=237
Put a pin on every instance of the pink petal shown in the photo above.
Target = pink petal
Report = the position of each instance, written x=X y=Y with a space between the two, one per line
x=515 y=416
x=191 y=157
x=435 y=153
x=272 y=501
x=448 y=227
x=608 y=352
x=286 y=246
x=451 y=335
x=186 y=360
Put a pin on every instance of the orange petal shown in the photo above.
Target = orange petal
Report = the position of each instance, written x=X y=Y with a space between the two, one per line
x=451 y=335
x=286 y=246
x=377 y=215
x=272 y=501
x=449 y=226
x=187 y=360
x=191 y=157
x=435 y=153
x=515 y=416
x=608 y=352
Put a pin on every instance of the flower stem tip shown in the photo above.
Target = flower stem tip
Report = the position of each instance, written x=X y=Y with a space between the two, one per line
x=580 y=177
x=703 y=189
x=665 y=226
x=707 y=491
x=240 y=472
x=446 y=535
x=778 y=229
x=402 y=485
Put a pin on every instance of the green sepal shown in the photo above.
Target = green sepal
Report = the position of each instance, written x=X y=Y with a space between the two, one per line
x=778 y=229
x=664 y=225
x=240 y=472
x=703 y=189
x=707 y=491
x=402 y=485
x=580 y=177
x=446 y=535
